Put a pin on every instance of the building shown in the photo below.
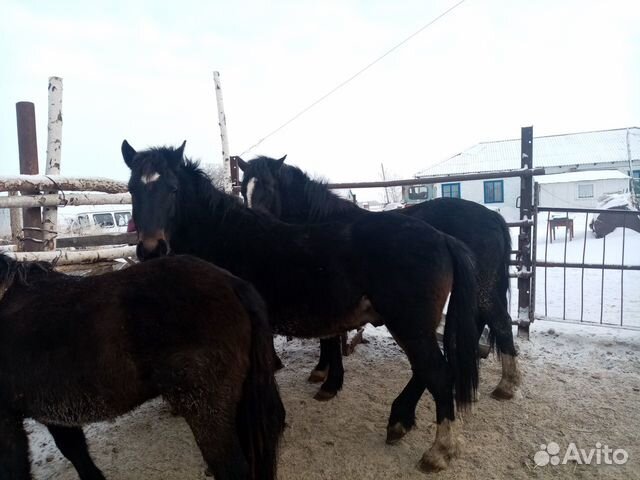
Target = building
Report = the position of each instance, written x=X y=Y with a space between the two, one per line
x=580 y=189
x=617 y=149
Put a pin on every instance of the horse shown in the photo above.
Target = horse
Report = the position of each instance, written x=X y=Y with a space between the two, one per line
x=76 y=350
x=321 y=280
x=288 y=193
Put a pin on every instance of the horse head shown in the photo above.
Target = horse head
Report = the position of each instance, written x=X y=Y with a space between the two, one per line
x=154 y=187
x=260 y=183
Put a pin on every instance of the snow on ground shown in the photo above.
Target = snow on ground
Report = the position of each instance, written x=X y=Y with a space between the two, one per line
x=559 y=292
x=580 y=384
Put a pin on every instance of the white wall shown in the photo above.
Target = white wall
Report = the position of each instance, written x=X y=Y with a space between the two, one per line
x=566 y=194
x=473 y=190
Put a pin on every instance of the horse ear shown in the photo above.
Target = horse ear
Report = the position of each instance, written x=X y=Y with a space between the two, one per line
x=279 y=162
x=128 y=153
x=180 y=151
x=242 y=165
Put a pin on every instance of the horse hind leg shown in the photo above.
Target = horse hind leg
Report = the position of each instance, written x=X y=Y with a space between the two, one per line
x=211 y=415
x=430 y=371
x=335 y=377
x=73 y=445
x=499 y=322
x=14 y=448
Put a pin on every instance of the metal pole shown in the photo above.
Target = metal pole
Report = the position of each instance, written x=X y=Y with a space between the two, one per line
x=28 y=151
x=229 y=174
x=525 y=309
x=384 y=179
x=54 y=146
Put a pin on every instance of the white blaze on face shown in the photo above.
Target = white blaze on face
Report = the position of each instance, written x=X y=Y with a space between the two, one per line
x=250 y=187
x=150 y=177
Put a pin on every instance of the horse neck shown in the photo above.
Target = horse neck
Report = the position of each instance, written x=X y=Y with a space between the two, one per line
x=212 y=223
x=306 y=200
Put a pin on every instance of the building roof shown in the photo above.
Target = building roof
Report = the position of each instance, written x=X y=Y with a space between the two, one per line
x=583 y=176
x=600 y=148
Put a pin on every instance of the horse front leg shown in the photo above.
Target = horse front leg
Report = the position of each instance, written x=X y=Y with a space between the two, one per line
x=73 y=445
x=14 y=448
x=335 y=376
x=321 y=370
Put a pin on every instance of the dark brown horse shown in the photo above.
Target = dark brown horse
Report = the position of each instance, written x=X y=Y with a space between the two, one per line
x=321 y=280
x=79 y=350
x=288 y=193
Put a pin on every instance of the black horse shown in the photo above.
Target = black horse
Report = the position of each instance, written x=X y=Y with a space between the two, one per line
x=76 y=350
x=288 y=193
x=321 y=280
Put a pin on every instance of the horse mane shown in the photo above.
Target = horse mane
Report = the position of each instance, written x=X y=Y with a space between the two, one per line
x=322 y=202
x=12 y=270
x=207 y=191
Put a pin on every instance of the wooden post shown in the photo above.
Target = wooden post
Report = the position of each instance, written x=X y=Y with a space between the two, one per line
x=525 y=309
x=16 y=224
x=222 y=123
x=54 y=146
x=28 y=150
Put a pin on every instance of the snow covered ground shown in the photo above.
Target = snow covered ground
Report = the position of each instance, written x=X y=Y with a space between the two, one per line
x=581 y=384
x=570 y=294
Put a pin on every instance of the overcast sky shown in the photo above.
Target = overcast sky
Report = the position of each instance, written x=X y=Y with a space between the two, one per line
x=143 y=71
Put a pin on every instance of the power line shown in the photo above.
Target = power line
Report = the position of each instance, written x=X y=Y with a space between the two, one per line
x=352 y=77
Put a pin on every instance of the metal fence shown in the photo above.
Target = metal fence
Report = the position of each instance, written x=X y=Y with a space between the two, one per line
x=582 y=278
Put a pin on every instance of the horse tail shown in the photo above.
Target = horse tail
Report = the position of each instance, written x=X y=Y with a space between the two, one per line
x=260 y=415
x=460 y=331
x=503 y=279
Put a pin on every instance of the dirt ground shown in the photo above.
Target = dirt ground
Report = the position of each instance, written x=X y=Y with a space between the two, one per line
x=581 y=384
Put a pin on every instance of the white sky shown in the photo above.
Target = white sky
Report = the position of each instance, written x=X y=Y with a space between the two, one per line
x=143 y=71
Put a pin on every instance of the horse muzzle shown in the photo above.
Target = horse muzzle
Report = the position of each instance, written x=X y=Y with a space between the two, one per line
x=152 y=246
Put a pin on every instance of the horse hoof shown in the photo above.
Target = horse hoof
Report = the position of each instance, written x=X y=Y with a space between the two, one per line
x=502 y=393
x=318 y=376
x=324 y=395
x=395 y=433
x=433 y=463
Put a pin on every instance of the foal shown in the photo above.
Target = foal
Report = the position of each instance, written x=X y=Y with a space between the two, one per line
x=77 y=350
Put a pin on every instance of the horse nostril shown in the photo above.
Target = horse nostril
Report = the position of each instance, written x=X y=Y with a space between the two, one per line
x=163 y=247
x=140 y=251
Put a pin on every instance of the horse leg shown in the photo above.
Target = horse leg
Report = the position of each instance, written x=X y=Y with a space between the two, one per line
x=14 y=448
x=335 y=377
x=73 y=445
x=431 y=371
x=210 y=411
x=321 y=370
x=499 y=322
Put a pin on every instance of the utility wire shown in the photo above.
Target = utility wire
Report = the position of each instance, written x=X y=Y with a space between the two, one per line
x=358 y=73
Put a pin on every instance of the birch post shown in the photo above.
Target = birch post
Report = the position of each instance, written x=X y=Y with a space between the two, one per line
x=54 y=146
x=222 y=123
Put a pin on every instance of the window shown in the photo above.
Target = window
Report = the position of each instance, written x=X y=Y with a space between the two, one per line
x=83 y=221
x=494 y=191
x=585 y=190
x=122 y=218
x=105 y=220
x=636 y=181
x=451 y=190
x=418 y=192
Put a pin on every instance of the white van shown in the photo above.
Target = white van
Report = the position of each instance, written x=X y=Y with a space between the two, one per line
x=92 y=220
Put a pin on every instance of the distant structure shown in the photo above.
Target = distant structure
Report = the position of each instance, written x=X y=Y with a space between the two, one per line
x=597 y=152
